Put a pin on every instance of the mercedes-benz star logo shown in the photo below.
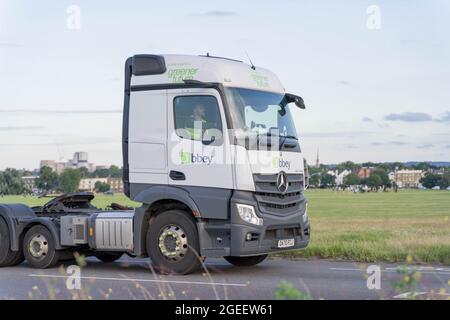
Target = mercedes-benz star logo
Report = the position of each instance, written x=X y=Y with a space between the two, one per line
x=282 y=182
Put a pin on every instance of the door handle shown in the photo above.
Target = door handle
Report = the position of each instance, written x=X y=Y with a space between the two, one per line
x=177 y=175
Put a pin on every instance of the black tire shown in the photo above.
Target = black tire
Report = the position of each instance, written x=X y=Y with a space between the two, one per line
x=246 y=261
x=47 y=259
x=188 y=261
x=17 y=257
x=7 y=257
x=108 y=257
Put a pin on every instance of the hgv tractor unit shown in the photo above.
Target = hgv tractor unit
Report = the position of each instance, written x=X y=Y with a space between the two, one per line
x=211 y=152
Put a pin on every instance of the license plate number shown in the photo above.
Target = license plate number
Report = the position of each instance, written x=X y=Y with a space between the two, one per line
x=286 y=243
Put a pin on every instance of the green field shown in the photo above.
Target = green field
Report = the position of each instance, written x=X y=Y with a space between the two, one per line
x=408 y=225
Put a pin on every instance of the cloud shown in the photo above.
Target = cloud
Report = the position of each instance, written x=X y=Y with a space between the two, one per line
x=10 y=45
x=397 y=143
x=404 y=41
x=343 y=82
x=68 y=142
x=340 y=134
x=380 y=125
x=424 y=146
x=389 y=143
x=217 y=13
x=14 y=128
x=409 y=117
x=48 y=111
x=445 y=118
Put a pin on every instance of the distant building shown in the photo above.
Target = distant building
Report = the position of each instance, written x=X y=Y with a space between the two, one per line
x=365 y=172
x=88 y=184
x=408 y=178
x=29 y=182
x=438 y=171
x=116 y=184
x=79 y=160
x=48 y=163
x=80 y=157
x=60 y=167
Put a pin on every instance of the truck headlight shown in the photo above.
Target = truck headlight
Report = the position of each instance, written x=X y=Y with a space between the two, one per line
x=248 y=214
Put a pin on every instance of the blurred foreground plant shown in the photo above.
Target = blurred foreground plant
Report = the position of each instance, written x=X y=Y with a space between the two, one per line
x=286 y=291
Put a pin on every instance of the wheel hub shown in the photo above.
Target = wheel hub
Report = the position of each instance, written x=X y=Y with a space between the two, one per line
x=173 y=243
x=38 y=246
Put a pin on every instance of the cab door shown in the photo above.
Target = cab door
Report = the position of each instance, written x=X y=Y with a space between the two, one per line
x=198 y=143
x=147 y=137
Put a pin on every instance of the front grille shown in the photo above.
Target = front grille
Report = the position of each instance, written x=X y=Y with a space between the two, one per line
x=272 y=234
x=271 y=200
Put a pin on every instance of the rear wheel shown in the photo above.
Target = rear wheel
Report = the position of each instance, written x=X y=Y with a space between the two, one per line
x=16 y=258
x=8 y=257
x=108 y=257
x=172 y=243
x=39 y=248
x=246 y=261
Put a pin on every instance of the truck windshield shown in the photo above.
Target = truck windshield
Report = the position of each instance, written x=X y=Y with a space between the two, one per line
x=261 y=112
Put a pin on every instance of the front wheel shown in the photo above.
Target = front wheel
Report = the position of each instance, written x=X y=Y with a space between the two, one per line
x=246 y=261
x=39 y=248
x=172 y=243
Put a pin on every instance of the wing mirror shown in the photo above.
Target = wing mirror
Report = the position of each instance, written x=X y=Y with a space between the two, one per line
x=292 y=98
x=300 y=103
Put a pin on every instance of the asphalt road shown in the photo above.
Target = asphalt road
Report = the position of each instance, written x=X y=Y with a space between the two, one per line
x=133 y=279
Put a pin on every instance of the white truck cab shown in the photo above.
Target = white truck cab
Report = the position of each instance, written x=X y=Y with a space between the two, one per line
x=211 y=152
x=217 y=135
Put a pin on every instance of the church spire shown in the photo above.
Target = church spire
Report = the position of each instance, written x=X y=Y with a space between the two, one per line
x=317 y=159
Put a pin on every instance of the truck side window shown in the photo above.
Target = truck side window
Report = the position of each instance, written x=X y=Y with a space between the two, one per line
x=198 y=118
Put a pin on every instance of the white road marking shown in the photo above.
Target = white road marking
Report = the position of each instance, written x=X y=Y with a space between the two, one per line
x=148 y=280
x=395 y=270
x=409 y=294
x=420 y=269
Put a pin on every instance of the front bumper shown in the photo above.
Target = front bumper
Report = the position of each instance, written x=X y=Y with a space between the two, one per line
x=264 y=239
x=230 y=239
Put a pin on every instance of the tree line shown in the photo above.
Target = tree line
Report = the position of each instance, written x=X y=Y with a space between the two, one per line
x=431 y=180
x=379 y=178
x=48 y=180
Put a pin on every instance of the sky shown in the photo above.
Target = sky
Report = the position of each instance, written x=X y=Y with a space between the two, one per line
x=375 y=75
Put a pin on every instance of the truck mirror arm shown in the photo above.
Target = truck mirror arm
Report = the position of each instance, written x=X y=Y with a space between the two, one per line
x=289 y=98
